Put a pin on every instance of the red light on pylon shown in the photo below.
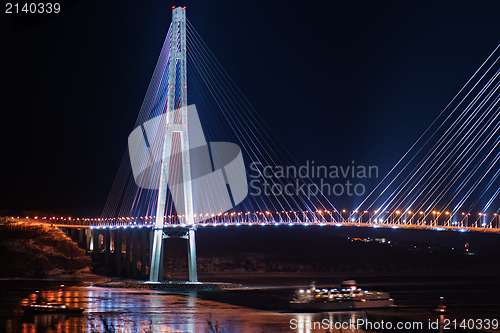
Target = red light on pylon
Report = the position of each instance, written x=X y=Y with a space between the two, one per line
x=173 y=7
x=184 y=7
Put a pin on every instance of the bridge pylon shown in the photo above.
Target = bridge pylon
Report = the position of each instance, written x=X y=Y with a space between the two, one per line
x=176 y=127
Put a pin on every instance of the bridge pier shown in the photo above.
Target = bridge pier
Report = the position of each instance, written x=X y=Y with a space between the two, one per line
x=135 y=248
x=88 y=239
x=162 y=258
x=193 y=272
x=81 y=238
x=118 y=252
x=144 y=251
x=95 y=241
x=186 y=233
x=128 y=245
x=107 y=248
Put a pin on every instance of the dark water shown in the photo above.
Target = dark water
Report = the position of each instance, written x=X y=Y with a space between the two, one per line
x=124 y=310
x=120 y=310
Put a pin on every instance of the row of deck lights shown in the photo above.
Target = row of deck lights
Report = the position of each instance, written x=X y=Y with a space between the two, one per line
x=292 y=217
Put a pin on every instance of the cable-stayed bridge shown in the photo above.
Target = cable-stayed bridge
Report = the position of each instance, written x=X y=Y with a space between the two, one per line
x=175 y=178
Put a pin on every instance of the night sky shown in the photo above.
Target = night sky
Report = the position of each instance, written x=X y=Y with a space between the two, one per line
x=335 y=81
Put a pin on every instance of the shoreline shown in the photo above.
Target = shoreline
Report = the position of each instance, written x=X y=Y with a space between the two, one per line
x=282 y=279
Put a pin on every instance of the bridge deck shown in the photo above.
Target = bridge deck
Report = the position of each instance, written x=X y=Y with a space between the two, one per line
x=135 y=225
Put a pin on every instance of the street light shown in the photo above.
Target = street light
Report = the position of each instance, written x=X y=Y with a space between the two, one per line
x=410 y=214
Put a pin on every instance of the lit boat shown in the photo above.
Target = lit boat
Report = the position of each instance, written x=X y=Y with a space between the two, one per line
x=442 y=307
x=348 y=297
x=50 y=307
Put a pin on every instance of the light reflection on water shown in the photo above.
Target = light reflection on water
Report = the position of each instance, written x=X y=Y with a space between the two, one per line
x=123 y=310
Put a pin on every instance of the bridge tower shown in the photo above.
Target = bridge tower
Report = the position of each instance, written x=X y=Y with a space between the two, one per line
x=177 y=121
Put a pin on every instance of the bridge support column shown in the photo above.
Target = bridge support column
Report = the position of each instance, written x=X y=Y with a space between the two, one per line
x=95 y=241
x=135 y=248
x=156 y=251
x=128 y=246
x=144 y=251
x=81 y=240
x=94 y=238
x=118 y=252
x=88 y=239
x=162 y=253
x=193 y=272
x=107 y=247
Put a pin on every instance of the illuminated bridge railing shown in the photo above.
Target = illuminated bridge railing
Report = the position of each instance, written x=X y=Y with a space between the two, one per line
x=307 y=224
x=434 y=220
